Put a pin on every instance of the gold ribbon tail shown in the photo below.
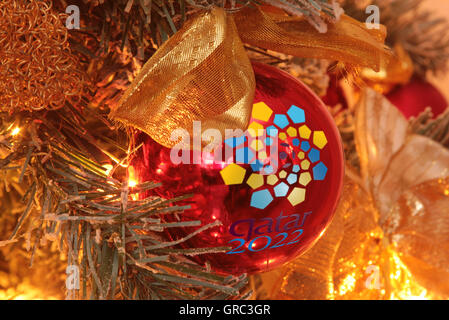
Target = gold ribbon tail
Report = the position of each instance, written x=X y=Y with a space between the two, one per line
x=348 y=40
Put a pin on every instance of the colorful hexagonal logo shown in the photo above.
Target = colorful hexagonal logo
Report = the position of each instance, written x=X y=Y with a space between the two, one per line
x=299 y=151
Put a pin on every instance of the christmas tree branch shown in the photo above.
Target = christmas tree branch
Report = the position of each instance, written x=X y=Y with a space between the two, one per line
x=111 y=234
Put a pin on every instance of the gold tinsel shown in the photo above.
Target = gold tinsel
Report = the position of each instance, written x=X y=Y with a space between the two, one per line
x=37 y=68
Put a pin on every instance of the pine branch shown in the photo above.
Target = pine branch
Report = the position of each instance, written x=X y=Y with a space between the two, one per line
x=100 y=223
x=436 y=129
x=316 y=12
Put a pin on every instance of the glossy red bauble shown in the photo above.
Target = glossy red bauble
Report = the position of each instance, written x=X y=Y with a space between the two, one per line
x=272 y=208
x=414 y=97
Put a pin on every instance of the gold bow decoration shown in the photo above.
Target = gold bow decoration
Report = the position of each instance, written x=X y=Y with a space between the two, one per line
x=390 y=235
x=202 y=73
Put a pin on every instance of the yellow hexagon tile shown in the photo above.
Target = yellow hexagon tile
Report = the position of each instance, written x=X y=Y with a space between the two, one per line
x=319 y=139
x=305 y=164
x=292 y=132
x=255 y=129
x=301 y=155
x=262 y=155
x=304 y=132
x=255 y=181
x=282 y=174
x=233 y=174
x=305 y=178
x=257 y=145
x=272 y=179
x=282 y=136
x=297 y=196
x=261 y=111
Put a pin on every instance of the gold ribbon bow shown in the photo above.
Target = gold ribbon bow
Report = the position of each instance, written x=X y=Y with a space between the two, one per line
x=202 y=73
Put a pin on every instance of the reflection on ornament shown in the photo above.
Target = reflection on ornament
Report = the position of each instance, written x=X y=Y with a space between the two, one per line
x=276 y=196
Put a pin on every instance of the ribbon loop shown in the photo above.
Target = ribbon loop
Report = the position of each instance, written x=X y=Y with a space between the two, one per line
x=202 y=73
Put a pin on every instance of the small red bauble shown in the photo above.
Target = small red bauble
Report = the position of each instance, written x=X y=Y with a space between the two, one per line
x=414 y=97
x=279 y=192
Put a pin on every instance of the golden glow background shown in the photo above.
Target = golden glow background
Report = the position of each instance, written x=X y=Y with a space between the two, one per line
x=441 y=8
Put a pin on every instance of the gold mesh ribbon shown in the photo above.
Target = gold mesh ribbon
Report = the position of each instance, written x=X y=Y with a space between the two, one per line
x=347 y=41
x=202 y=73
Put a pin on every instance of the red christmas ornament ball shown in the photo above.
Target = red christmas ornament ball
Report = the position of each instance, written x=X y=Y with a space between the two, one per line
x=414 y=97
x=277 y=193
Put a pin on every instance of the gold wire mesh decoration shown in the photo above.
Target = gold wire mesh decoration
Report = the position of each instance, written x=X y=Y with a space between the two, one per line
x=37 y=69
